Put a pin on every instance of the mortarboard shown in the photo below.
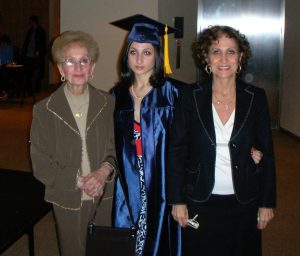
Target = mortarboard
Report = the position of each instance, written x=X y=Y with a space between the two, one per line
x=143 y=29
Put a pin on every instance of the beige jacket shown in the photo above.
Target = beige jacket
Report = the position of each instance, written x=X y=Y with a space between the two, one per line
x=56 y=144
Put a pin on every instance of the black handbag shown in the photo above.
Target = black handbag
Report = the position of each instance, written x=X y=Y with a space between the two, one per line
x=110 y=241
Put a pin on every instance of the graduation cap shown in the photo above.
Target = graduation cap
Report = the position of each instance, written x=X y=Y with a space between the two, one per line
x=143 y=29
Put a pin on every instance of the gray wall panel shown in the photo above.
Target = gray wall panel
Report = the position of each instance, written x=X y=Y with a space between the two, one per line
x=262 y=22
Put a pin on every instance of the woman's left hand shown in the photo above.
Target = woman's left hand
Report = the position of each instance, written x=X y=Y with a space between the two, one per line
x=94 y=183
x=265 y=215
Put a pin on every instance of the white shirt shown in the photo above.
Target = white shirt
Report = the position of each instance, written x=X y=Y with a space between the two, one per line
x=223 y=173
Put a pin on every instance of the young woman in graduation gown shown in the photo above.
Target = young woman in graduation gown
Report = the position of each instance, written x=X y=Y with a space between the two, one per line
x=144 y=109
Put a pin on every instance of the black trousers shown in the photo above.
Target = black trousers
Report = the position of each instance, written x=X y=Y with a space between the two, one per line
x=227 y=228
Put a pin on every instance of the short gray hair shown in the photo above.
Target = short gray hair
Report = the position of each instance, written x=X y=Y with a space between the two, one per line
x=69 y=37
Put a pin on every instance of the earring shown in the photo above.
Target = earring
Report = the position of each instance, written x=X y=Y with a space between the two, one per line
x=62 y=78
x=91 y=76
x=239 y=69
x=207 y=69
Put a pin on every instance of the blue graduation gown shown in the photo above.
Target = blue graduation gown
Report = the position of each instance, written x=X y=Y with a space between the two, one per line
x=157 y=108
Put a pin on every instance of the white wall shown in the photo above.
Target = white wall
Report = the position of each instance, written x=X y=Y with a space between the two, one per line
x=93 y=16
x=290 y=95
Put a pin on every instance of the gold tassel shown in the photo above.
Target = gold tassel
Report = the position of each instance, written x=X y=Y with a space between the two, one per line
x=167 y=66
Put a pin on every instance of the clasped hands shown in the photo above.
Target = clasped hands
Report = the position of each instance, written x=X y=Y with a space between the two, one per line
x=94 y=183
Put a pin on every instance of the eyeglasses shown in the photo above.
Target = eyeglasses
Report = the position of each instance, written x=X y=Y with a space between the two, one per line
x=84 y=61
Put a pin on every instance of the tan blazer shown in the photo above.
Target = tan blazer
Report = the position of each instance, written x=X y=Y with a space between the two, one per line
x=56 y=144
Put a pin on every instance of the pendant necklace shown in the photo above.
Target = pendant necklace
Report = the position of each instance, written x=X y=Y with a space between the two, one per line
x=78 y=109
x=78 y=114
x=219 y=102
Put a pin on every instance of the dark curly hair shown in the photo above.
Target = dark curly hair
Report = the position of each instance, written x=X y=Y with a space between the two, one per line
x=127 y=76
x=200 y=48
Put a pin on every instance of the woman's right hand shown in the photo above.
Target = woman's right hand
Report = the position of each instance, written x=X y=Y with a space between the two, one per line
x=256 y=155
x=180 y=214
x=93 y=184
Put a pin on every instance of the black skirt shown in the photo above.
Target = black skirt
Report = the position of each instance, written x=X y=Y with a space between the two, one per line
x=227 y=228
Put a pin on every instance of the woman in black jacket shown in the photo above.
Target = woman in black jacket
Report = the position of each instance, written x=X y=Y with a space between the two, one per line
x=210 y=169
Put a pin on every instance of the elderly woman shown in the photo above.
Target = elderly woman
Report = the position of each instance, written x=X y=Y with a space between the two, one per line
x=212 y=178
x=72 y=143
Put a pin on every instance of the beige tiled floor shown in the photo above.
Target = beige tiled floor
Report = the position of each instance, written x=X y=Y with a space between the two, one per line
x=45 y=242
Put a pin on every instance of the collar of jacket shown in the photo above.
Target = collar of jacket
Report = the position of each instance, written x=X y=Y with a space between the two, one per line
x=58 y=105
x=203 y=99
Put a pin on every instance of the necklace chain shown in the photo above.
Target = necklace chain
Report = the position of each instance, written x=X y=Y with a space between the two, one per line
x=138 y=97
x=134 y=95
x=220 y=102
x=78 y=109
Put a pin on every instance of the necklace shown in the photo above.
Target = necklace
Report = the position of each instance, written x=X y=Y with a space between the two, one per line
x=77 y=102
x=137 y=97
x=134 y=95
x=220 y=102
x=79 y=114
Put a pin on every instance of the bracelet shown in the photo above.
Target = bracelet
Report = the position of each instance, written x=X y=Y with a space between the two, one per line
x=112 y=175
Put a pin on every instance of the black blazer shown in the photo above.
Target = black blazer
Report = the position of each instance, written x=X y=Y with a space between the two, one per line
x=192 y=148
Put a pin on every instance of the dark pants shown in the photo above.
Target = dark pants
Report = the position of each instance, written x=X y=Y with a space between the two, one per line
x=226 y=228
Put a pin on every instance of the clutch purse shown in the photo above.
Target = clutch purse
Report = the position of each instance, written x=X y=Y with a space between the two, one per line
x=110 y=241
